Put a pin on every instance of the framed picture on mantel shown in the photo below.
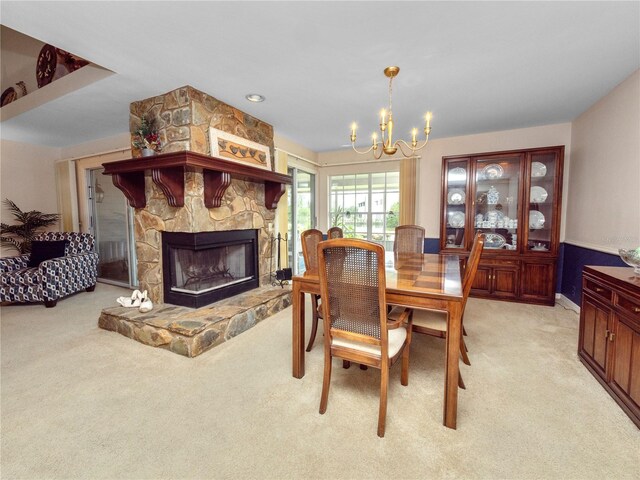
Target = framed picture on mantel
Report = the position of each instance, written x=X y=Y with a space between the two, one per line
x=240 y=150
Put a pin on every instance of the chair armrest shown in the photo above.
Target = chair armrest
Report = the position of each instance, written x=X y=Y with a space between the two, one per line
x=66 y=275
x=9 y=264
x=398 y=316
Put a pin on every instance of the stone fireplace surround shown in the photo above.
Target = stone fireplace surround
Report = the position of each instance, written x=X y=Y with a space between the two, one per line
x=180 y=200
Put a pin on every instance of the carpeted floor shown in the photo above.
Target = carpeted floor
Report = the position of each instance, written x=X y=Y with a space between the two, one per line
x=80 y=402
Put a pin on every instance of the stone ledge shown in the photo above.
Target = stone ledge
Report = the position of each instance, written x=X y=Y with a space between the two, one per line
x=190 y=332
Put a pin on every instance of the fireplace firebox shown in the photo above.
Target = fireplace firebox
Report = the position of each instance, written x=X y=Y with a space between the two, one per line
x=204 y=267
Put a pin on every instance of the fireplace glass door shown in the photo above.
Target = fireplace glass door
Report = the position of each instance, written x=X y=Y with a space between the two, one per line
x=203 y=267
x=201 y=271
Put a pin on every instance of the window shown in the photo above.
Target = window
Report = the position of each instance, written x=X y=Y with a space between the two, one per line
x=366 y=205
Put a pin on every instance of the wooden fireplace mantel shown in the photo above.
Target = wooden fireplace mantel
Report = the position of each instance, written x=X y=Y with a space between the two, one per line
x=167 y=171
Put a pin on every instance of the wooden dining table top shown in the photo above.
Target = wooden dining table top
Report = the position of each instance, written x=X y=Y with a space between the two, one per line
x=432 y=275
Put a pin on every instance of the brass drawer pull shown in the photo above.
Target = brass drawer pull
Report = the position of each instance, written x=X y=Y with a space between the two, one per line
x=612 y=337
x=636 y=309
x=598 y=289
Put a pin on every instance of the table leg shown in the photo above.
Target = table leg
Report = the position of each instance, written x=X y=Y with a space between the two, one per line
x=452 y=370
x=298 y=331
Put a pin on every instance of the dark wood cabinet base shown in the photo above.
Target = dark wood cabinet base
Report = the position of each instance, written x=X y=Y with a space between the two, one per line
x=609 y=338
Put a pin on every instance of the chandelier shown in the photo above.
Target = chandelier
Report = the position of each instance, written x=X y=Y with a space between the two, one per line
x=386 y=144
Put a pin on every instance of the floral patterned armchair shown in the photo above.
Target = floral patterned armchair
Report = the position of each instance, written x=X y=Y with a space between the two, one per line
x=51 y=279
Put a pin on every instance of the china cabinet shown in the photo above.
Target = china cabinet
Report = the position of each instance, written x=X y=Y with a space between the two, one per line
x=514 y=197
x=609 y=338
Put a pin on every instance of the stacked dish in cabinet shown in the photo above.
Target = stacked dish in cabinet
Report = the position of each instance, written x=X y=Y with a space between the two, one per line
x=456 y=205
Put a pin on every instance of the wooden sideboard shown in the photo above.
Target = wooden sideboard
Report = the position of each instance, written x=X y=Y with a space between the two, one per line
x=609 y=341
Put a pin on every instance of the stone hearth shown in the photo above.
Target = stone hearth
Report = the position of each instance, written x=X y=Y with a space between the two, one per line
x=190 y=332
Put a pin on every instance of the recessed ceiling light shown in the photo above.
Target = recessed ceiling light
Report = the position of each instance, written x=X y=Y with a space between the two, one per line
x=254 y=97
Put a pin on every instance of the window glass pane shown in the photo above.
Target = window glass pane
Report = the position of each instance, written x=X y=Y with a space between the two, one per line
x=366 y=205
x=377 y=223
x=377 y=202
x=393 y=181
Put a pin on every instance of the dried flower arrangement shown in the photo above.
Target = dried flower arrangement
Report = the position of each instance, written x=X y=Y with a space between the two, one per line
x=146 y=135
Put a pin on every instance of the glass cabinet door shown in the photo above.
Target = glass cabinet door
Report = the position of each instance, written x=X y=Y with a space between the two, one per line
x=541 y=200
x=456 y=202
x=496 y=201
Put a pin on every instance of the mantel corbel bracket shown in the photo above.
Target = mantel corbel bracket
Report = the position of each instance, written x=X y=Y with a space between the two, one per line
x=171 y=182
x=132 y=185
x=272 y=193
x=215 y=184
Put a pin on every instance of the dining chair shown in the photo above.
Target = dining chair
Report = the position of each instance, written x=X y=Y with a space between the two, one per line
x=310 y=240
x=352 y=286
x=334 y=232
x=408 y=239
x=433 y=322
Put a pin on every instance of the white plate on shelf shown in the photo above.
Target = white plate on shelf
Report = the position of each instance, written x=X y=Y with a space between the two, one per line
x=538 y=194
x=457 y=174
x=492 y=171
x=494 y=240
x=538 y=169
x=540 y=249
x=456 y=219
x=455 y=196
x=536 y=220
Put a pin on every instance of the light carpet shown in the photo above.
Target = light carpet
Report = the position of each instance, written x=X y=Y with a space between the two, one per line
x=81 y=402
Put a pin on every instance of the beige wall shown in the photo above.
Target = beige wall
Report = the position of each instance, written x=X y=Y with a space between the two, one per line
x=27 y=177
x=604 y=187
x=430 y=165
x=90 y=155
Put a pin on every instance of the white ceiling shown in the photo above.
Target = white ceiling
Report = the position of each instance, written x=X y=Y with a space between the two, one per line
x=479 y=66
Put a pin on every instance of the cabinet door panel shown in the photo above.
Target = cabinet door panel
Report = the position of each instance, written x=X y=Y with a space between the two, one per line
x=626 y=364
x=634 y=377
x=482 y=280
x=537 y=280
x=622 y=356
x=588 y=327
x=600 y=342
x=594 y=335
x=505 y=282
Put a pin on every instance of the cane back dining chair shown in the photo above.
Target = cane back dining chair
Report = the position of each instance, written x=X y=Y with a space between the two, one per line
x=408 y=239
x=310 y=240
x=334 y=232
x=435 y=322
x=352 y=286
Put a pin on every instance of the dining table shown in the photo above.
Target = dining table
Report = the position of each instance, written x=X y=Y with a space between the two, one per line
x=428 y=281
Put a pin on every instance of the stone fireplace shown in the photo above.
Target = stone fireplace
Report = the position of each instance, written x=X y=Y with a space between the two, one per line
x=210 y=201
x=202 y=227
x=201 y=268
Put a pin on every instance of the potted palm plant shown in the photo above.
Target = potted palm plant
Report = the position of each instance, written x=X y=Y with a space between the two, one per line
x=19 y=235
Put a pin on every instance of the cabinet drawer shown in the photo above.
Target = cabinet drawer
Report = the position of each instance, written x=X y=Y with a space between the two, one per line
x=628 y=305
x=597 y=289
x=499 y=261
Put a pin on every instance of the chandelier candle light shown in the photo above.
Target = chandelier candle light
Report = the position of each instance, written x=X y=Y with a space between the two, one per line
x=386 y=144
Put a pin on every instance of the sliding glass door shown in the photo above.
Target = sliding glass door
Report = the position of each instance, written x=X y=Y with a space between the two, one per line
x=302 y=213
x=112 y=227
